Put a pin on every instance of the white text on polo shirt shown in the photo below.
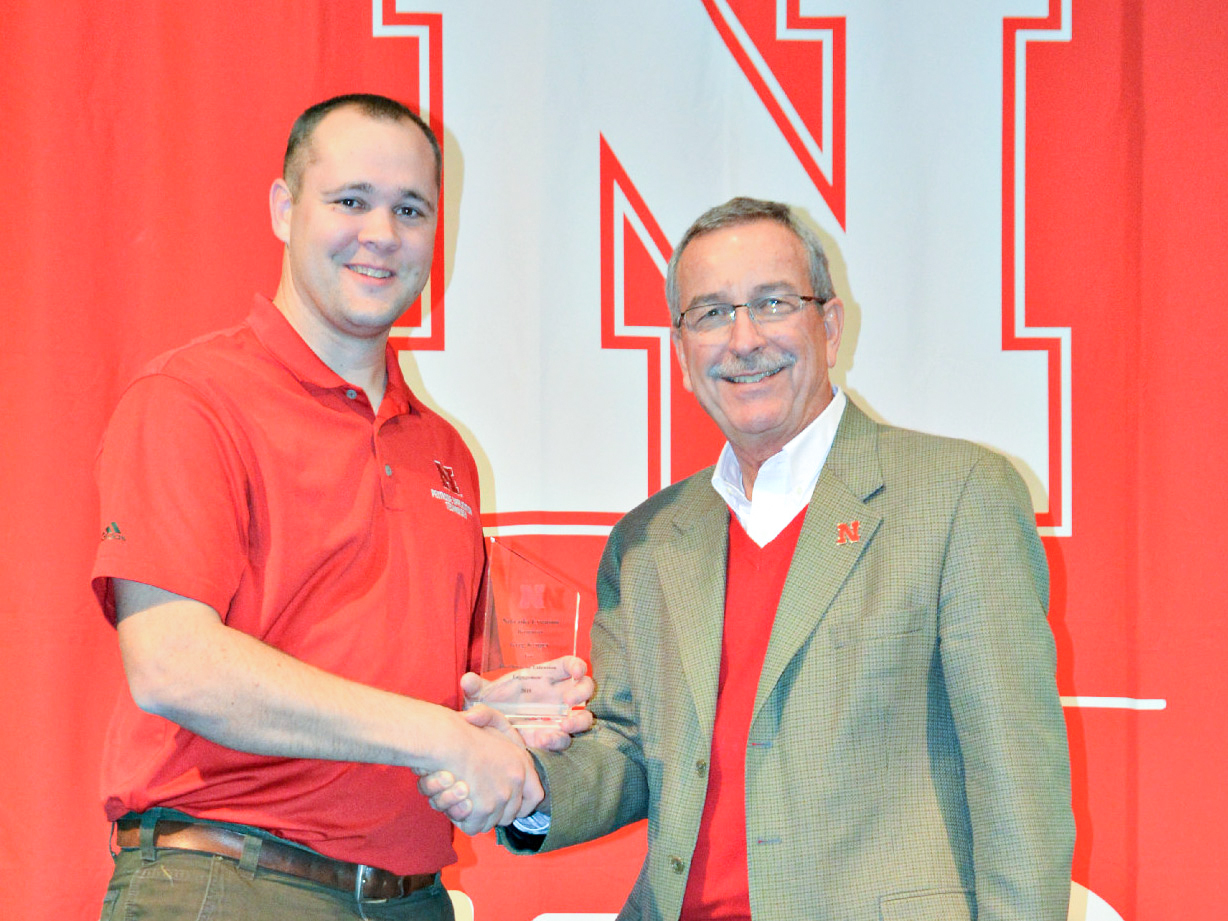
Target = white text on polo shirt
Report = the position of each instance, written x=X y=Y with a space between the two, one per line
x=455 y=504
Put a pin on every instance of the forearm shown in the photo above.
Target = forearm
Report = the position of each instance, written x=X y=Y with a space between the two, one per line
x=241 y=693
x=184 y=664
x=595 y=789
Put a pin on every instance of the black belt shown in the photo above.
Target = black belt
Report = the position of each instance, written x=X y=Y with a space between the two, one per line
x=364 y=881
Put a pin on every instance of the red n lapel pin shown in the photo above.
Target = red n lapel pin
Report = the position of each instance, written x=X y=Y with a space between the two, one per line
x=846 y=532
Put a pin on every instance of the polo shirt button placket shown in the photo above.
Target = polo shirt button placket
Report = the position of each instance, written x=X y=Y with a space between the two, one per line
x=388 y=485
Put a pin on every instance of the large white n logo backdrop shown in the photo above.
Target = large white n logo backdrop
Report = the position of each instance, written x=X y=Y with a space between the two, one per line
x=914 y=224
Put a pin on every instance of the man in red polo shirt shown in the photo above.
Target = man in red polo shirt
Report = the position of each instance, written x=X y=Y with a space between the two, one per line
x=824 y=671
x=292 y=555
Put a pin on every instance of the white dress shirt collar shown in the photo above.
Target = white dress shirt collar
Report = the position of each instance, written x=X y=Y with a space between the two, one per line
x=785 y=481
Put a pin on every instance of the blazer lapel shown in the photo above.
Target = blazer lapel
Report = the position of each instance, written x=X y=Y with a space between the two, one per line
x=837 y=529
x=691 y=568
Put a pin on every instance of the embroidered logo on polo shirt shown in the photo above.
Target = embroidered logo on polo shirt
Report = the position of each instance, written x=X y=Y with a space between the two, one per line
x=448 y=476
x=111 y=532
x=452 y=497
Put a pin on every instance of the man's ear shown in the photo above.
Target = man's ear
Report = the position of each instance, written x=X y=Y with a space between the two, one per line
x=833 y=324
x=281 y=204
x=680 y=351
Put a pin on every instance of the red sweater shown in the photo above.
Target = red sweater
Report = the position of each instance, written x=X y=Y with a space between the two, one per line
x=718 y=886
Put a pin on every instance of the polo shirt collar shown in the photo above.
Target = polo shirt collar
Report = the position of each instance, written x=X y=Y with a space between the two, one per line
x=288 y=347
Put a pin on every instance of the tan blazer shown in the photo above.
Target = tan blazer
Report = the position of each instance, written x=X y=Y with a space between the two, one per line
x=907 y=756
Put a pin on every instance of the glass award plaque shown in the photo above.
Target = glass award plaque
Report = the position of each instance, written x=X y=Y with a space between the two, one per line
x=532 y=617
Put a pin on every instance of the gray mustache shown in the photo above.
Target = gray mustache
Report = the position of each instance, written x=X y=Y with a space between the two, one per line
x=758 y=363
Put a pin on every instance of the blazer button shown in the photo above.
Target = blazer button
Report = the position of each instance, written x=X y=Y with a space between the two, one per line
x=677 y=863
x=701 y=767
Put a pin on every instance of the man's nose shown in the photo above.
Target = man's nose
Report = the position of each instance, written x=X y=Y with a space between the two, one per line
x=744 y=334
x=379 y=229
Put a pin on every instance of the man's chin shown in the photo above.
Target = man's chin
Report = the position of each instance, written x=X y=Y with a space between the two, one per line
x=753 y=425
x=376 y=316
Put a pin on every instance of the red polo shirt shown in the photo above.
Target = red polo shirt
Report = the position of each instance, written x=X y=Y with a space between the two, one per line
x=242 y=472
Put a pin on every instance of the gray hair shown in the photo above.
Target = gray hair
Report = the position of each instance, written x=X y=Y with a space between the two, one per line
x=742 y=211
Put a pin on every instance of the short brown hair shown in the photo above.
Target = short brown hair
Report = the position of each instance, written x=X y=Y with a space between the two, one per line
x=298 y=148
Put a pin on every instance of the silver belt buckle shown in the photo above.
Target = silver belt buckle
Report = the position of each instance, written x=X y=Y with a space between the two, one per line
x=361 y=875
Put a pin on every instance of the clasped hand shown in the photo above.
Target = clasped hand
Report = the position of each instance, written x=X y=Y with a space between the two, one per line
x=477 y=797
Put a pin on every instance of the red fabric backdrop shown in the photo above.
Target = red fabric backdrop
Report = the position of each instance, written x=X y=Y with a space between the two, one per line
x=139 y=141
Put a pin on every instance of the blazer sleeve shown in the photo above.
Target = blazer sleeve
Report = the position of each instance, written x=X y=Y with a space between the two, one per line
x=599 y=783
x=998 y=660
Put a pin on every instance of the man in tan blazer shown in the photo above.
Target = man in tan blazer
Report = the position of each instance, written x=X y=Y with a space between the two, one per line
x=902 y=753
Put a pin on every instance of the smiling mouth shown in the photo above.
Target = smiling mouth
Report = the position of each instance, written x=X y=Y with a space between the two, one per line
x=751 y=378
x=370 y=272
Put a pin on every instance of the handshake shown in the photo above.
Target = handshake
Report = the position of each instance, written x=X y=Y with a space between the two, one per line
x=489 y=777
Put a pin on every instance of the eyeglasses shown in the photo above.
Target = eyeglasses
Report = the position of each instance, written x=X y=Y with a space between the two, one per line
x=706 y=319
